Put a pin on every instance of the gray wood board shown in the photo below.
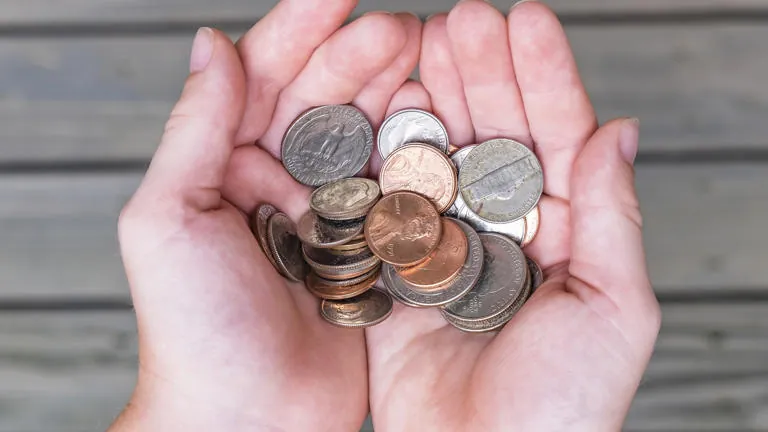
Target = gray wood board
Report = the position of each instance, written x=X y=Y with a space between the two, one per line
x=704 y=231
x=74 y=371
x=41 y=12
x=106 y=99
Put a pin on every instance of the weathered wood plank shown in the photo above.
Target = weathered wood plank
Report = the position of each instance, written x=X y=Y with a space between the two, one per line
x=704 y=231
x=74 y=371
x=76 y=99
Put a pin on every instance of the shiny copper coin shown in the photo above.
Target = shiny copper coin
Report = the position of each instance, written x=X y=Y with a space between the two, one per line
x=286 y=247
x=335 y=290
x=403 y=229
x=338 y=267
x=532 y=223
x=320 y=233
x=345 y=199
x=422 y=169
x=443 y=264
x=259 y=228
x=452 y=149
x=365 y=310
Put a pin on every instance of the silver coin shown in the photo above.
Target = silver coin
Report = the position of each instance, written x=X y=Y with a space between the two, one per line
x=320 y=233
x=402 y=300
x=501 y=180
x=345 y=199
x=327 y=143
x=514 y=230
x=537 y=276
x=503 y=279
x=468 y=277
x=411 y=126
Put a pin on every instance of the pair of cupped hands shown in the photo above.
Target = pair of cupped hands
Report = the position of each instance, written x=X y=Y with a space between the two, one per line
x=227 y=344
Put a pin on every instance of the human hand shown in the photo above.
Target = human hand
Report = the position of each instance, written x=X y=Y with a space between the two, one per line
x=572 y=358
x=225 y=342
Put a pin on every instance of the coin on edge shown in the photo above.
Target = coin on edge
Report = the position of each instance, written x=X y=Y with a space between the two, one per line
x=327 y=143
x=324 y=234
x=259 y=222
x=532 y=223
x=348 y=198
x=340 y=290
x=366 y=310
x=286 y=247
x=443 y=264
x=334 y=266
x=537 y=276
x=408 y=126
x=403 y=229
x=501 y=180
x=422 y=169
x=504 y=278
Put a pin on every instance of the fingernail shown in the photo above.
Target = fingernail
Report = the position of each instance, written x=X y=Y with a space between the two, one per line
x=518 y=3
x=628 y=139
x=202 y=50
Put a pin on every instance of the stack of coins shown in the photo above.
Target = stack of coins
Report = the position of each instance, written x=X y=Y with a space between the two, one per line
x=438 y=231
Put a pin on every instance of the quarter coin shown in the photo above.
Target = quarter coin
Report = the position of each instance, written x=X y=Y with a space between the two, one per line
x=501 y=180
x=259 y=227
x=409 y=126
x=366 y=310
x=532 y=223
x=327 y=143
x=443 y=264
x=340 y=290
x=403 y=229
x=324 y=234
x=286 y=247
x=345 y=199
x=422 y=169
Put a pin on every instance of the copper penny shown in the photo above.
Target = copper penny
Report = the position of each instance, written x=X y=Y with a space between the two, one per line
x=532 y=223
x=452 y=149
x=335 y=290
x=286 y=247
x=403 y=229
x=320 y=233
x=444 y=263
x=422 y=169
x=351 y=246
x=259 y=228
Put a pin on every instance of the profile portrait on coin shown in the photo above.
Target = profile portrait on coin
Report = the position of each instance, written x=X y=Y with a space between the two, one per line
x=405 y=175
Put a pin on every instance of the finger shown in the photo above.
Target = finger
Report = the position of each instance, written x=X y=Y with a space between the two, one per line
x=254 y=177
x=277 y=48
x=338 y=71
x=441 y=78
x=412 y=94
x=560 y=115
x=374 y=98
x=607 y=260
x=478 y=35
x=188 y=168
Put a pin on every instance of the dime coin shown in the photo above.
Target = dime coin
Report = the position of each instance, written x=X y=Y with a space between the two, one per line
x=537 y=276
x=444 y=263
x=403 y=229
x=365 y=310
x=286 y=247
x=501 y=180
x=335 y=290
x=345 y=199
x=467 y=278
x=422 y=169
x=409 y=126
x=339 y=267
x=327 y=143
x=532 y=223
x=515 y=230
x=320 y=233
x=504 y=278
x=259 y=227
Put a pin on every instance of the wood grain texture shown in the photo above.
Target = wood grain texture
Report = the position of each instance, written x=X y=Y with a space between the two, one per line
x=96 y=99
x=74 y=371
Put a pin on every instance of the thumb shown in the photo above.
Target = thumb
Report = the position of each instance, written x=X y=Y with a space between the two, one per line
x=188 y=168
x=607 y=245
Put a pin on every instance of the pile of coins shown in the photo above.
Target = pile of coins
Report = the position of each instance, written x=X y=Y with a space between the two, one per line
x=437 y=231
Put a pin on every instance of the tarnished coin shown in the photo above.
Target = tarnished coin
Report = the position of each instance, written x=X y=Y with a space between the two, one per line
x=324 y=234
x=504 y=278
x=409 y=126
x=340 y=290
x=456 y=289
x=443 y=264
x=501 y=180
x=259 y=228
x=422 y=169
x=353 y=245
x=403 y=229
x=286 y=247
x=334 y=266
x=348 y=198
x=365 y=310
x=537 y=276
x=515 y=230
x=327 y=143
x=532 y=223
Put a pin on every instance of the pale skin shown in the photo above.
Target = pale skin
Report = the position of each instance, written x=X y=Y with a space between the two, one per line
x=228 y=344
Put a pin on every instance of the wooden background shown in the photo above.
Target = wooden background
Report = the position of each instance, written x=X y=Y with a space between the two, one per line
x=86 y=85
